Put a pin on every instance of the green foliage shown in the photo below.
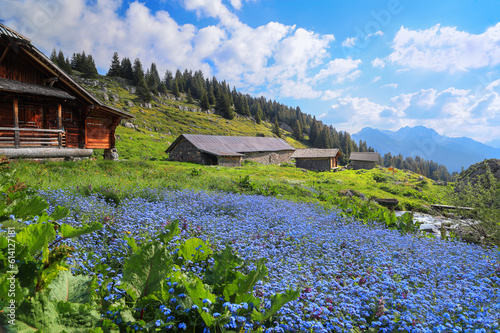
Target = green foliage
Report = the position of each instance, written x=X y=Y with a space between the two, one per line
x=483 y=194
x=157 y=279
x=33 y=272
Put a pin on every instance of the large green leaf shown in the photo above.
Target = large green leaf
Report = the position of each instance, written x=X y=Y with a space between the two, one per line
x=67 y=231
x=144 y=270
x=194 y=249
x=32 y=207
x=69 y=288
x=33 y=239
x=223 y=270
x=237 y=291
x=198 y=292
x=277 y=301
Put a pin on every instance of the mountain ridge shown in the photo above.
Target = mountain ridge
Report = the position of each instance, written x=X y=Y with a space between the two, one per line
x=425 y=142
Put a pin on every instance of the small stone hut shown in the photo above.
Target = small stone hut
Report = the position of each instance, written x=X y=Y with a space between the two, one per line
x=365 y=160
x=316 y=159
x=229 y=150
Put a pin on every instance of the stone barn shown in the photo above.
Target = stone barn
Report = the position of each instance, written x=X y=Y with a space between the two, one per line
x=364 y=160
x=44 y=113
x=229 y=150
x=316 y=159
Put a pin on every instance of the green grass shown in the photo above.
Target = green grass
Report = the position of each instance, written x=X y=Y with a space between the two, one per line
x=252 y=178
x=161 y=124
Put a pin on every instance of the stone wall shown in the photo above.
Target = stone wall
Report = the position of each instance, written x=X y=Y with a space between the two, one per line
x=271 y=157
x=356 y=165
x=313 y=164
x=186 y=152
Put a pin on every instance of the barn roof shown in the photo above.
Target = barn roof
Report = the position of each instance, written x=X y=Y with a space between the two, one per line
x=315 y=153
x=30 y=88
x=23 y=45
x=232 y=145
x=365 y=157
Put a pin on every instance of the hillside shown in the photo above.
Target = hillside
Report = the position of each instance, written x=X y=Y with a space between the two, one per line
x=454 y=153
x=158 y=123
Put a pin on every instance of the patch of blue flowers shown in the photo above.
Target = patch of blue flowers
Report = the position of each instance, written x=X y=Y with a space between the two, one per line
x=351 y=275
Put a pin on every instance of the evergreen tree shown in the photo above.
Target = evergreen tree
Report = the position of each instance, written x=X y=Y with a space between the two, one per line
x=168 y=80
x=175 y=89
x=141 y=87
x=88 y=67
x=126 y=69
x=115 y=68
x=53 y=56
x=313 y=131
x=276 y=129
x=153 y=78
x=297 y=131
x=205 y=104
x=189 y=97
x=223 y=105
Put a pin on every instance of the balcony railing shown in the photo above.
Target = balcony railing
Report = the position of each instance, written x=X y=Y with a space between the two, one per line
x=31 y=137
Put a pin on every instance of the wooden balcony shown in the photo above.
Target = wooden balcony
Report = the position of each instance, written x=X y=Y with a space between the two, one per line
x=11 y=137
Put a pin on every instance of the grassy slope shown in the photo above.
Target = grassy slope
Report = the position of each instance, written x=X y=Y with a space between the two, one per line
x=143 y=162
x=161 y=124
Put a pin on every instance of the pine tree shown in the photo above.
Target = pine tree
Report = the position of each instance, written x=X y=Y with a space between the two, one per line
x=115 y=67
x=168 y=79
x=141 y=87
x=189 y=97
x=88 y=67
x=313 y=131
x=53 y=56
x=126 y=69
x=175 y=89
x=223 y=105
x=276 y=129
x=205 y=104
x=297 y=130
x=61 y=61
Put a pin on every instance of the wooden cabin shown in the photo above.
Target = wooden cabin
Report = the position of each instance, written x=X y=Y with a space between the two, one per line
x=44 y=113
x=229 y=150
x=365 y=160
x=316 y=159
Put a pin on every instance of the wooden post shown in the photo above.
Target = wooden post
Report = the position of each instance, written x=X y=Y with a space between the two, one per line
x=59 y=124
x=16 y=122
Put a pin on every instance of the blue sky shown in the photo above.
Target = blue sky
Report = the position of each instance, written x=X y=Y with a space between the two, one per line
x=383 y=64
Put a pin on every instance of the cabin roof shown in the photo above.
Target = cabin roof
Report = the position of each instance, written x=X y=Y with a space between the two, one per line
x=365 y=157
x=22 y=43
x=315 y=153
x=30 y=88
x=232 y=145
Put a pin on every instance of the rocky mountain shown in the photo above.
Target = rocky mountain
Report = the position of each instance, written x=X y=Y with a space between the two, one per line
x=421 y=141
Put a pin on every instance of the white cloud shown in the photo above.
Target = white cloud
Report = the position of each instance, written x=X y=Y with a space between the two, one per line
x=349 y=42
x=281 y=58
x=298 y=90
x=331 y=94
x=375 y=79
x=376 y=33
x=390 y=85
x=377 y=62
x=446 y=48
x=341 y=69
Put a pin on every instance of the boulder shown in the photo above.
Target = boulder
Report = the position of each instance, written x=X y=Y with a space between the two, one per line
x=129 y=125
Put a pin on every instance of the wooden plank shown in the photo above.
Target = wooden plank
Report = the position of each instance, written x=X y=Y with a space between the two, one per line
x=5 y=53
x=451 y=207
x=15 y=103
x=30 y=130
x=59 y=124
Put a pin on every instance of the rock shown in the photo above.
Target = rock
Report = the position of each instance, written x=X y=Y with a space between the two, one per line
x=105 y=97
x=111 y=154
x=420 y=178
x=130 y=103
x=346 y=193
x=129 y=125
